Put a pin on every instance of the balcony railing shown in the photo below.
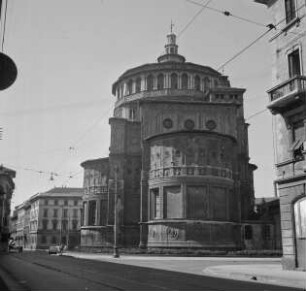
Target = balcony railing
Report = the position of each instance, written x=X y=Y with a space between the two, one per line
x=286 y=92
x=176 y=171
x=92 y=190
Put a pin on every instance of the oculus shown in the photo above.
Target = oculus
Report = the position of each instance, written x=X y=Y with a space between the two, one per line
x=167 y=123
x=189 y=124
x=210 y=124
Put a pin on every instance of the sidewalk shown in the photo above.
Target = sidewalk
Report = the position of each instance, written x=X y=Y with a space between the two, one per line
x=263 y=273
x=261 y=270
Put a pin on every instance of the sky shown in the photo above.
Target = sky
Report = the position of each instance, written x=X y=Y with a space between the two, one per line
x=70 y=52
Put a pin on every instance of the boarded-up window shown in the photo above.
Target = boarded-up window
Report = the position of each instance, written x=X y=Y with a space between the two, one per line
x=219 y=201
x=103 y=212
x=92 y=213
x=248 y=232
x=174 y=202
x=155 y=203
x=197 y=202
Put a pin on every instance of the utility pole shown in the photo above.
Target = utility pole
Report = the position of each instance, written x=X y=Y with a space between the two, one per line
x=116 y=212
x=68 y=227
x=61 y=226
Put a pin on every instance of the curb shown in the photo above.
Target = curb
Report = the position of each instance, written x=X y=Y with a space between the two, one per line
x=279 y=280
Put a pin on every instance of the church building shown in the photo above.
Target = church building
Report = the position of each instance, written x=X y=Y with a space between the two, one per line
x=178 y=173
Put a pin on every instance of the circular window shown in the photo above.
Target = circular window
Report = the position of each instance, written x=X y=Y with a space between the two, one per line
x=189 y=124
x=210 y=124
x=167 y=123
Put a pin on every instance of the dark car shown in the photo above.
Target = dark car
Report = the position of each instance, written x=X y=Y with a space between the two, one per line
x=13 y=247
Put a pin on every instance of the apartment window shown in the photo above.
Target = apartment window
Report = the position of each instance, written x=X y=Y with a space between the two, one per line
x=75 y=202
x=65 y=225
x=294 y=63
x=290 y=10
x=297 y=140
x=74 y=224
x=66 y=202
x=43 y=239
x=46 y=201
x=45 y=212
x=45 y=224
x=55 y=202
x=54 y=224
x=75 y=213
x=55 y=212
x=65 y=213
x=53 y=240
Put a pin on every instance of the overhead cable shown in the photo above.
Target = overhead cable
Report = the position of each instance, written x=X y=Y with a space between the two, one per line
x=204 y=6
x=221 y=67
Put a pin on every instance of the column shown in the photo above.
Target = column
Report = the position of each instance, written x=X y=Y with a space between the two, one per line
x=98 y=212
x=86 y=213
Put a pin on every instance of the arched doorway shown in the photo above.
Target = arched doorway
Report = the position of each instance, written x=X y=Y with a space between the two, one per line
x=300 y=232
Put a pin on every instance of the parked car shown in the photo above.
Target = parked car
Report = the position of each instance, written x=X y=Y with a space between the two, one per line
x=54 y=249
x=13 y=247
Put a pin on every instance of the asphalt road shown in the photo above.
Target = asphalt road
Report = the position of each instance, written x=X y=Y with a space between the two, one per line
x=40 y=271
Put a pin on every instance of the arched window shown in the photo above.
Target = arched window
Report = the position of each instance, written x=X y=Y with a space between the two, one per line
x=138 y=85
x=121 y=91
x=174 y=81
x=184 y=81
x=160 y=81
x=206 y=83
x=150 y=82
x=197 y=83
x=130 y=87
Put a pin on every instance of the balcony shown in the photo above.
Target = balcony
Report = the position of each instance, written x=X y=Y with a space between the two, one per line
x=287 y=94
x=192 y=170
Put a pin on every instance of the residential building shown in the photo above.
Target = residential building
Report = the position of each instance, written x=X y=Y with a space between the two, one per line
x=6 y=190
x=50 y=218
x=288 y=106
x=178 y=174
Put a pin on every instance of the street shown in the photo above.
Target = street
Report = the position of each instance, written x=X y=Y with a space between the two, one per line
x=40 y=271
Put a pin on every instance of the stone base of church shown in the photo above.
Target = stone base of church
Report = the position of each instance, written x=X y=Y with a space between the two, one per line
x=210 y=235
x=102 y=237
